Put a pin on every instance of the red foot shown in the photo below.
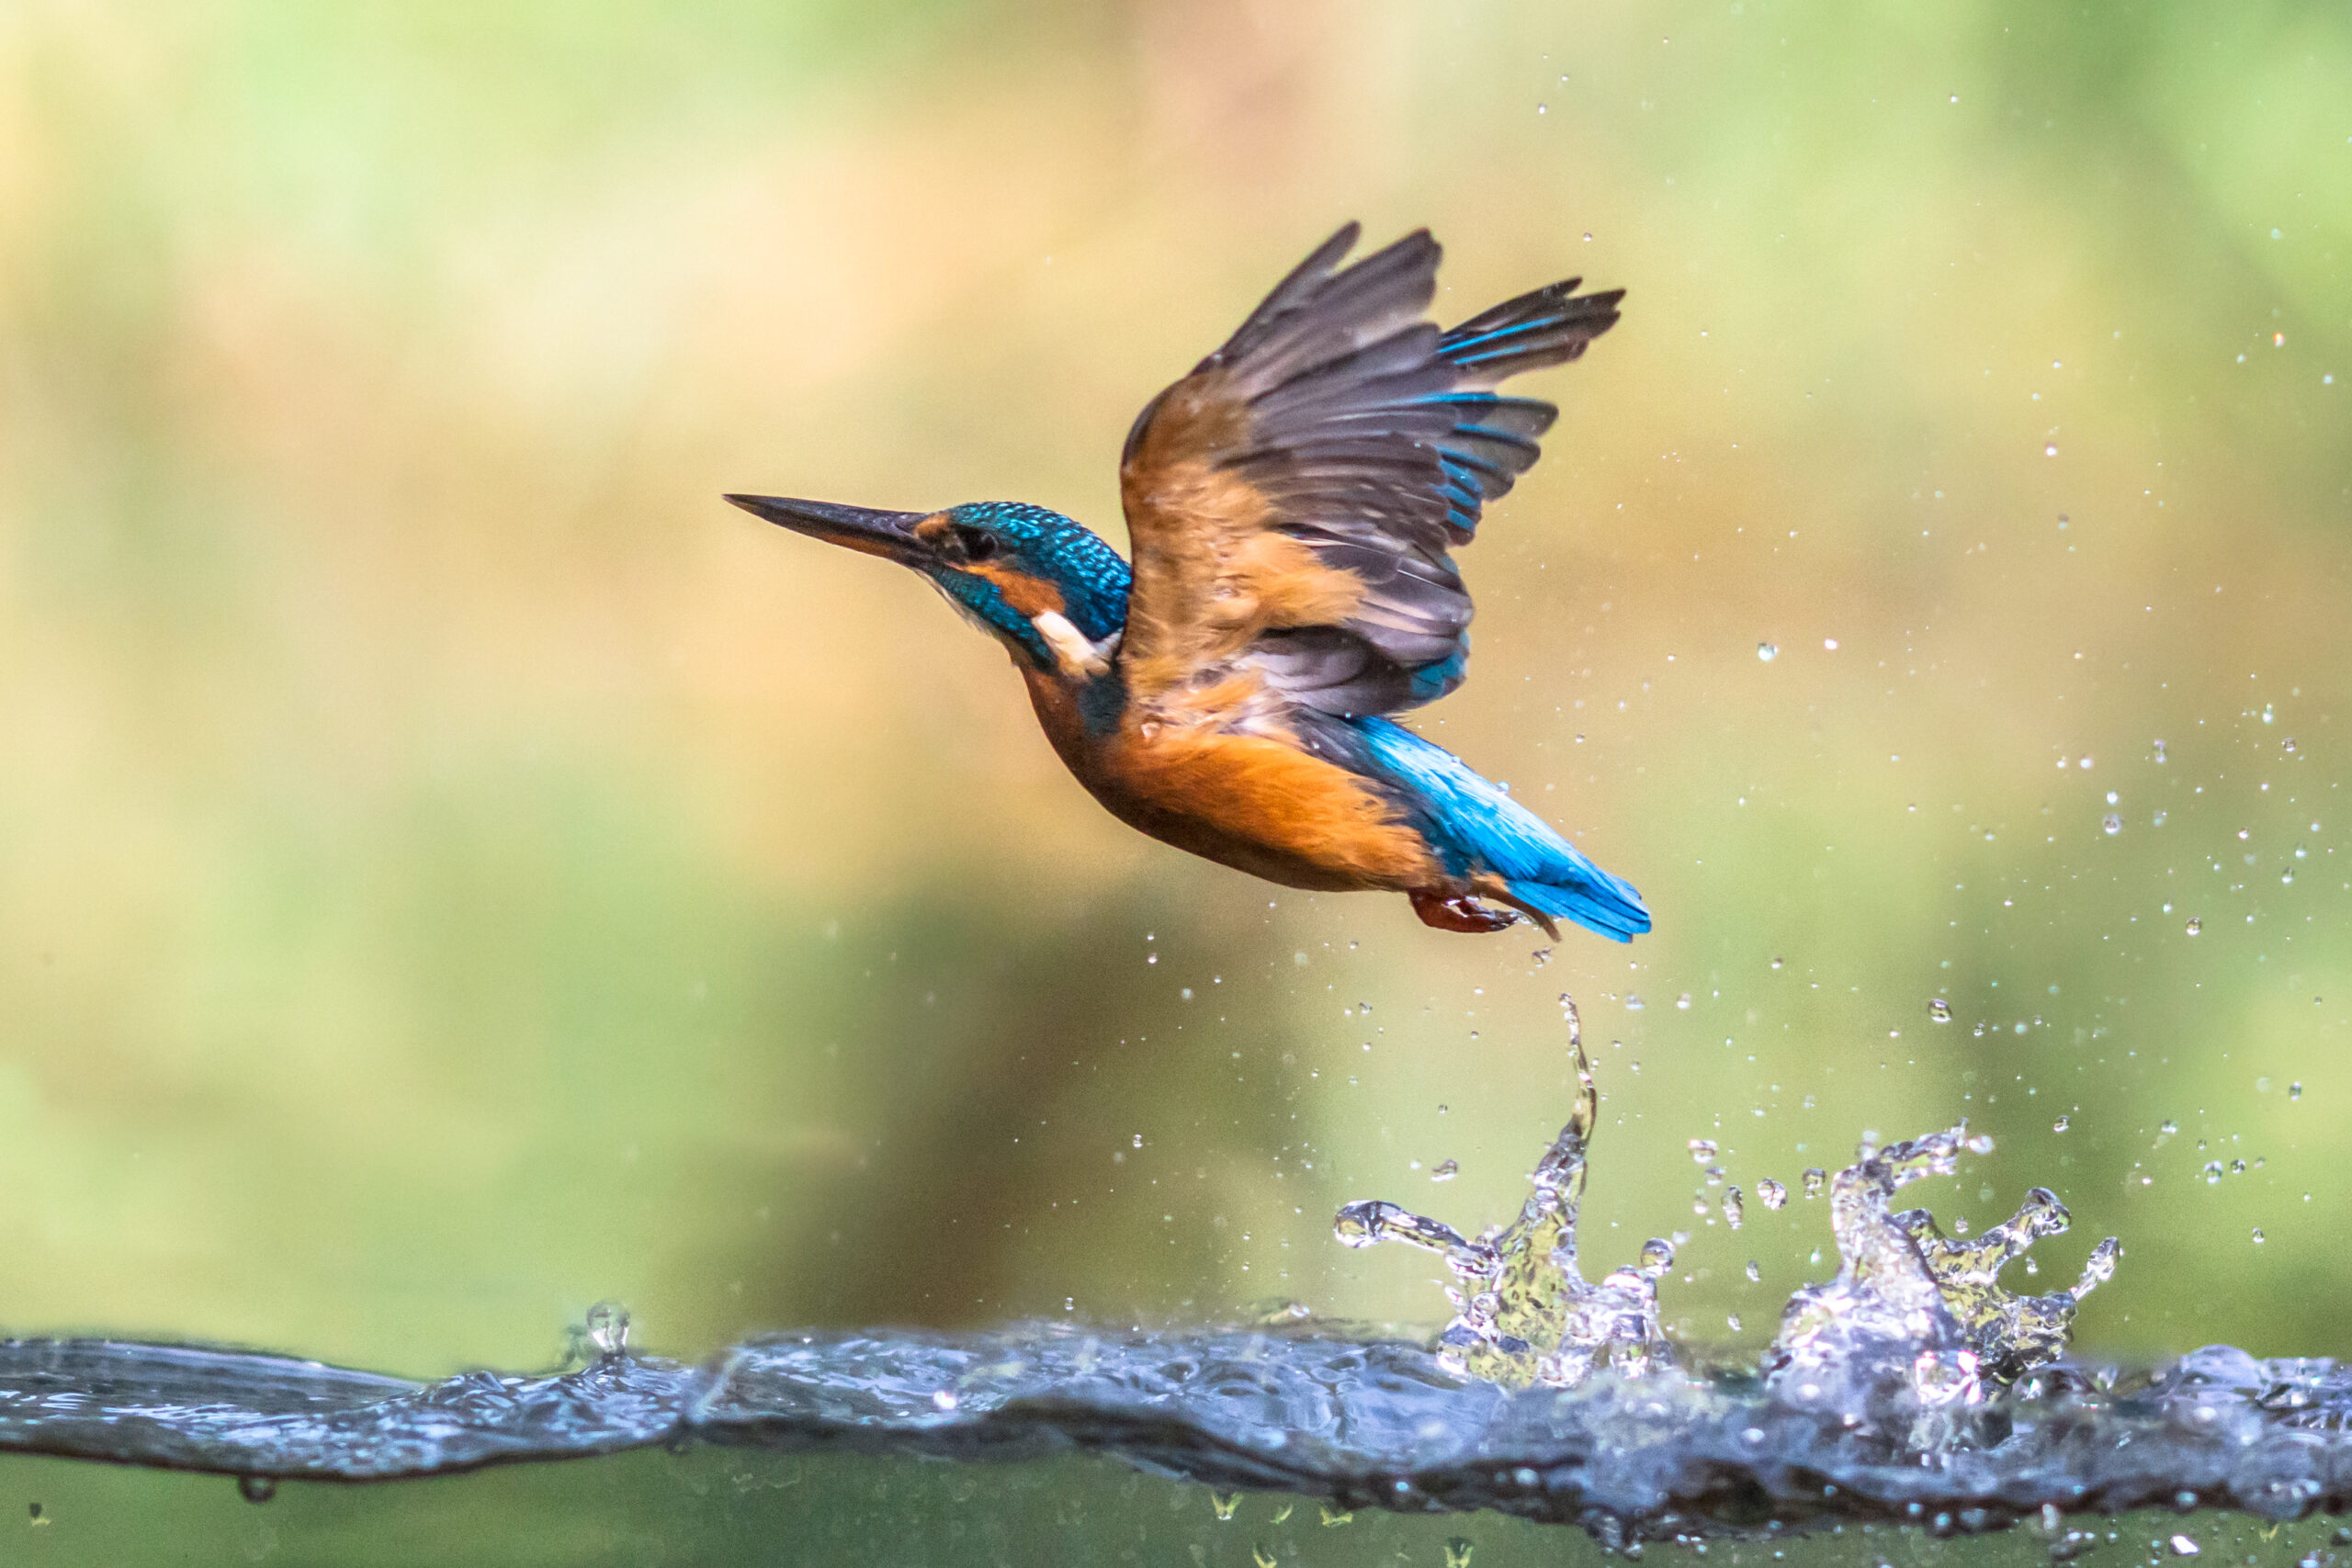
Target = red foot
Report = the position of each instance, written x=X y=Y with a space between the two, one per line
x=1461 y=913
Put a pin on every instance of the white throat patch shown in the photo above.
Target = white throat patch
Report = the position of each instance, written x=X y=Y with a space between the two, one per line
x=1072 y=651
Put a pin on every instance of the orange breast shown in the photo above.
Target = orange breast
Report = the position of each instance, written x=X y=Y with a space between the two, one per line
x=1246 y=800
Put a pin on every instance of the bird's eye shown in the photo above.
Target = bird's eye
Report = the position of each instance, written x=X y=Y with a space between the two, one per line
x=979 y=542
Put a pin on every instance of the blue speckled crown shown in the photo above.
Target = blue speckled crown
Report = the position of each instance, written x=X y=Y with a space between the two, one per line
x=1092 y=577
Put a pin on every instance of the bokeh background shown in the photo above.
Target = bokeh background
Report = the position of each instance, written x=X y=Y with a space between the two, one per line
x=453 y=869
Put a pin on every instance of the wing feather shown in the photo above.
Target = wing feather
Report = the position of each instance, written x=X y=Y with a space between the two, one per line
x=1294 y=499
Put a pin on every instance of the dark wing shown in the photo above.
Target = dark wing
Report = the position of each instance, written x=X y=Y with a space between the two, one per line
x=1293 y=501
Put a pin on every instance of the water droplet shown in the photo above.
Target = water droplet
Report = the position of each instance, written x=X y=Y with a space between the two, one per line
x=1224 y=1503
x=1702 y=1150
x=252 y=1488
x=2195 y=925
x=1734 y=1211
x=1772 y=1193
x=944 y=1399
x=1151 y=958
x=609 y=1328
x=1446 y=1171
x=2286 y=875
x=2237 y=1167
x=2167 y=1127
x=2244 y=833
x=2051 y=450
x=2183 y=1547
x=2159 y=752
x=1683 y=1001
x=2300 y=852
x=1714 y=1175
x=1634 y=1003
x=2157 y=821
x=1767 y=651
x=1657 y=1257
x=1939 y=1010
x=2062 y=1124
x=2295 y=1091
x=2268 y=715
x=2213 y=1173
x=1733 y=1319
x=1138 y=1140
x=2112 y=823
x=2257 y=1235
x=1186 y=993
x=1776 y=964
x=2287 y=744
x=1814 y=1180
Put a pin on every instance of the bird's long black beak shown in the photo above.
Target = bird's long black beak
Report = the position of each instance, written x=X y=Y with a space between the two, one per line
x=890 y=534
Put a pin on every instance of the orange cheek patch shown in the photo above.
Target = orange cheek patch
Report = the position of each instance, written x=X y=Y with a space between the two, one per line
x=1031 y=597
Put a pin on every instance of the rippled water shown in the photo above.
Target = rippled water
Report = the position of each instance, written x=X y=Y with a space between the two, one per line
x=1296 y=1410
x=1909 y=1388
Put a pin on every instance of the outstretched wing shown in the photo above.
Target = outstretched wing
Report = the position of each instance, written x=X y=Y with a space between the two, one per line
x=1293 y=500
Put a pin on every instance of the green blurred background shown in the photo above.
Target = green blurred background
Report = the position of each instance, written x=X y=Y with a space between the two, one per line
x=453 y=869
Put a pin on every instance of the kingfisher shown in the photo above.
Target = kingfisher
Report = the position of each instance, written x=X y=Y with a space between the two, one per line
x=1292 y=506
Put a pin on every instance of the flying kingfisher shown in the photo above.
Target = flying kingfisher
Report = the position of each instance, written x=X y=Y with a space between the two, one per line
x=1291 y=506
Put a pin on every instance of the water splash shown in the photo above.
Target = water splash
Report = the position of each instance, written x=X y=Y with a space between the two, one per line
x=1909 y=1301
x=1905 y=1296
x=1908 y=1389
x=1524 y=1314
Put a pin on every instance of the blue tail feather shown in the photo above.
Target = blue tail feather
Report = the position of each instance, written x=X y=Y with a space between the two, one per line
x=1477 y=826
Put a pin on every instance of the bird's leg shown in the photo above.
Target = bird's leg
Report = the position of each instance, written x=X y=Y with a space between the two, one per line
x=1460 y=913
